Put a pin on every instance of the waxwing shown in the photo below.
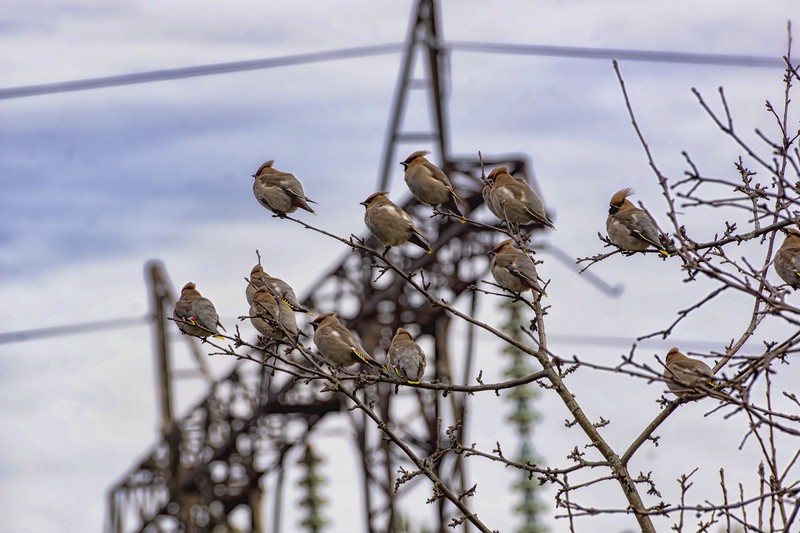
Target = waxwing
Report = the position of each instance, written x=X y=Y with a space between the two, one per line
x=514 y=201
x=787 y=258
x=512 y=269
x=429 y=184
x=196 y=315
x=272 y=317
x=390 y=224
x=686 y=376
x=629 y=227
x=280 y=192
x=337 y=344
x=259 y=278
x=406 y=358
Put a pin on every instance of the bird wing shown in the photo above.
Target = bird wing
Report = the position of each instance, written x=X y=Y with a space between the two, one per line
x=641 y=227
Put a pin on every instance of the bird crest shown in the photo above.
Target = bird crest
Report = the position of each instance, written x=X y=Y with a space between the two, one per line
x=402 y=331
x=673 y=354
x=263 y=167
x=496 y=250
x=497 y=171
x=317 y=321
x=413 y=156
x=372 y=197
x=619 y=199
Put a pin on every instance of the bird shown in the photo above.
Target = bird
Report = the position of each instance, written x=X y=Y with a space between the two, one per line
x=787 y=258
x=686 y=376
x=429 y=184
x=513 y=200
x=390 y=224
x=271 y=316
x=337 y=344
x=512 y=269
x=259 y=278
x=196 y=315
x=280 y=192
x=631 y=228
x=405 y=357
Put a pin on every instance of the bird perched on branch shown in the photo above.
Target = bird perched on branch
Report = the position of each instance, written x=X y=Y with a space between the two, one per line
x=787 y=258
x=390 y=224
x=196 y=315
x=513 y=200
x=686 y=376
x=429 y=184
x=280 y=192
x=259 y=278
x=513 y=269
x=337 y=344
x=406 y=357
x=631 y=228
x=271 y=316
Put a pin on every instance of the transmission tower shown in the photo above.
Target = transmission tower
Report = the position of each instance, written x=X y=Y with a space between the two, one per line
x=220 y=458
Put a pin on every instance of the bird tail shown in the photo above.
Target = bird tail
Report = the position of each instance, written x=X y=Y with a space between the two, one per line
x=453 y=206
x=302 y=204
x=419 y=240
x=543 y=221
x=367 y=359
x=297 y=308
x=652 y=242
x=301 y=201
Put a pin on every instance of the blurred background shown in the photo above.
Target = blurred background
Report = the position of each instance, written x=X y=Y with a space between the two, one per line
x=94 y=183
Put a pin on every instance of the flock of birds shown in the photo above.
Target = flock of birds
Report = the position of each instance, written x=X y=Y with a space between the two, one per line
x=273 y=303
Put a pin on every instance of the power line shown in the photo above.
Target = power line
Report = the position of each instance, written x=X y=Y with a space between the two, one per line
x=138 y=320
x=195 y=72
x=691 y=58
x=73 y=329
x=380 y=49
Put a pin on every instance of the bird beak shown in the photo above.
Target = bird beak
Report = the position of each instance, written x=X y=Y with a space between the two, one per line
x=255 y=176
x=364 y=203
x=405 y=165
x=491 y=253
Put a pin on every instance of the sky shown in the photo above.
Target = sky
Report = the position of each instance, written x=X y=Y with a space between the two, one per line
x=94 y=184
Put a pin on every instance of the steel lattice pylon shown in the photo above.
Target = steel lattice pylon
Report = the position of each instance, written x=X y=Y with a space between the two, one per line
x=219 y=456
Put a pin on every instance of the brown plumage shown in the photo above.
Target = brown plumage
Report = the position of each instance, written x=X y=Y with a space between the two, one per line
x=280 y=192
x=686 y=376
x=390 y=224
x=196 y=315
x=406 y=357
x=787 y=258
x=337 y=344
x=513 y=269
x=513 y=200
x=259 y=278
x=629 y=227
x=429 y=184
x=272 y=317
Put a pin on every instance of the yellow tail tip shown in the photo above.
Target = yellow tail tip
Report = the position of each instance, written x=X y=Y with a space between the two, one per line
x=412 y=382
x=218 y=337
